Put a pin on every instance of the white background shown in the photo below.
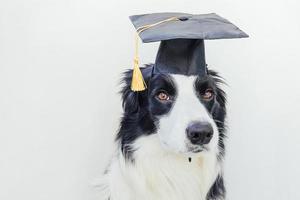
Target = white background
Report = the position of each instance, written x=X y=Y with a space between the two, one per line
x=60 y=64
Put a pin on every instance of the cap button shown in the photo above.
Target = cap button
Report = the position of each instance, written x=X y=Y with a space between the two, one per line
x=183 y=18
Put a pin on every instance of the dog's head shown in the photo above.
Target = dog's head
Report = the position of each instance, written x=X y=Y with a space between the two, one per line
x=187 y=112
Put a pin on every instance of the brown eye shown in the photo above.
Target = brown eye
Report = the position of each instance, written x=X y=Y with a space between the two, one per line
x=208 y=94
x=162 y=96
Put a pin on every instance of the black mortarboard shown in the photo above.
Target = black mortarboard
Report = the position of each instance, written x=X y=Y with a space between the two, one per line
x=182 y=38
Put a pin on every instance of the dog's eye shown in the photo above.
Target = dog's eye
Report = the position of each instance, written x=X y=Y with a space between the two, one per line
x=208 y=94
x=163 y=96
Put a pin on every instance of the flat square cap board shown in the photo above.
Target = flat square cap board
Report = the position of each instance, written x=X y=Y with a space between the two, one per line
x=182 y=38
x=203 y=26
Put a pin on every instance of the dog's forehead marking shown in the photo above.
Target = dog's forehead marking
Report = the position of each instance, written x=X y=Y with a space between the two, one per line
x=182 y=82
x=187 y=101
x=186 y=95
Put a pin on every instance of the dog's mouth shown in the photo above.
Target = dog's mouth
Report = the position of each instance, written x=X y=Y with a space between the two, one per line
x=197 y=149
x=189 y=148
x=194 y=150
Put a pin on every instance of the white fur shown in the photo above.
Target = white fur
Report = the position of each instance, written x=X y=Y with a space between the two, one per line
x=160 y=174
x=161 y=170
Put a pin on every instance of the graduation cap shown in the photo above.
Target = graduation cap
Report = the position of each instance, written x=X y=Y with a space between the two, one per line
x=182 y=36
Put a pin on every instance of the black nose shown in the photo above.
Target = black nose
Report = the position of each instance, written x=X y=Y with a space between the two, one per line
x=199 y=133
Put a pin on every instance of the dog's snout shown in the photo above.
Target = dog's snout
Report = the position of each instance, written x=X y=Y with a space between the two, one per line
x=199 y=133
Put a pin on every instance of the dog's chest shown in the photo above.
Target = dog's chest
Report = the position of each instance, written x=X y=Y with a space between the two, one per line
x=171 y=178
x=157 y=174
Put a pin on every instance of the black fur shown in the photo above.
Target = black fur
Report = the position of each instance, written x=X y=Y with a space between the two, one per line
x=141 y=110
x=217 y=190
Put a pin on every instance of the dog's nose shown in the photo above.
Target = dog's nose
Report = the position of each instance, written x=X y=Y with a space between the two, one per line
x=199 y=133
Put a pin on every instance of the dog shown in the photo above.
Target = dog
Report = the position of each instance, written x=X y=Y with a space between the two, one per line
x=170 y=144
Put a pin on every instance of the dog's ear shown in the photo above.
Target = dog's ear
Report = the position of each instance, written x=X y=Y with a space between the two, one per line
x=132 y=101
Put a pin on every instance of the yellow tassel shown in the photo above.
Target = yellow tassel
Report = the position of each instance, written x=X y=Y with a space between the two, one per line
x=137 y=83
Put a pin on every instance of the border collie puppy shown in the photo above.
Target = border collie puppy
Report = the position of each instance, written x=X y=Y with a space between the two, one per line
x=171 y=140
